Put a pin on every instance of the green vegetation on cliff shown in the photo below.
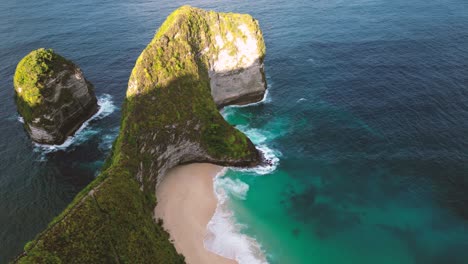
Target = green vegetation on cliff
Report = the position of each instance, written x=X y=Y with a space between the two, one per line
x=169 y=117
x=31 y=73
x=52 y=95
x=174 y=69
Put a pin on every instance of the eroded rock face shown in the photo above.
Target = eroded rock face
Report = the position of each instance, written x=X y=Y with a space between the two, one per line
x=194 y=54
x=229 y=47
x=197 y=62
x=52 y=96
x=236 y=68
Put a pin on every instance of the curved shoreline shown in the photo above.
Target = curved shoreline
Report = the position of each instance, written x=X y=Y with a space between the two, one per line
x=112 y=219
x=186 y=203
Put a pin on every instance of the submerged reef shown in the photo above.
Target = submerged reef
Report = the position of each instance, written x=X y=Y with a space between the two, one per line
x=197 y=62
x=52 y=96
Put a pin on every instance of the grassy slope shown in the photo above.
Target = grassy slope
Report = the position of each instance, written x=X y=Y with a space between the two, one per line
x=168 y=100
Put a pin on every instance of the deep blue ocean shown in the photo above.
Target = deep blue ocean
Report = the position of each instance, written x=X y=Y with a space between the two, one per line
x=366 y=118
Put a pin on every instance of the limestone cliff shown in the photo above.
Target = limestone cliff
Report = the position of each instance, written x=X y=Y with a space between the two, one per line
x=52 y=96
x=235 y=65
x=169 y=118
x=230 y=47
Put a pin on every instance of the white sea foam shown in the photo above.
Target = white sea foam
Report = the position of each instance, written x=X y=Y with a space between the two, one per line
x=227 y=112
x=21 y=119
x=257 y=136
x=106 y=107
x=230 y=110
x=265 y=99
x=272 y=156
x=236 y=188
x=261 y=138
x=275 y=128
x=108 y=139
x=224 y=235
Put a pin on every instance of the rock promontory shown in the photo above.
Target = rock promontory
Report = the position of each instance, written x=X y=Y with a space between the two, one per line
x=197 y=62
x=229 y=47
x=52 y=96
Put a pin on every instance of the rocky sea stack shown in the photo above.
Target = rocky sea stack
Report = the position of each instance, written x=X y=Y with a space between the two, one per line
x=52 y=96
x=197 y=62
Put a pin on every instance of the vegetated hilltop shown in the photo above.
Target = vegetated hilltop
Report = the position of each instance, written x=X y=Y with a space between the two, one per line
x=52 y=96
x=170 y=117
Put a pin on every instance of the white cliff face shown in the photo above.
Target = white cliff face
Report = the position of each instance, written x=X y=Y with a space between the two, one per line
x=227 y=48
x=230 y=47
x=236 y=52
x=169 y=118
x=236 y=70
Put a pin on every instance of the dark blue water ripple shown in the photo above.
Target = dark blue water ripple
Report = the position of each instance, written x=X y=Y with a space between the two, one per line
x=373 y=95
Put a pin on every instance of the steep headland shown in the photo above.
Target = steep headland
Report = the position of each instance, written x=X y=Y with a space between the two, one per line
x=170 y=117
x=52 y=96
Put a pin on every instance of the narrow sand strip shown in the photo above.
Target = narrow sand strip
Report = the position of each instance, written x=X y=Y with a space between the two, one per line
x=186 y=203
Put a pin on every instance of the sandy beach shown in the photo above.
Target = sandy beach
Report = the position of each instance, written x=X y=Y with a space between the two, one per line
x=186 y=203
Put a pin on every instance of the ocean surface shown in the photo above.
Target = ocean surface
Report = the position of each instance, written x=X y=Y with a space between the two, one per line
x=366 y=121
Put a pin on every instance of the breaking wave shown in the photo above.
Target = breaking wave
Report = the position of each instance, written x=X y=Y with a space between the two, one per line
x=85 y=132
x=224 y=235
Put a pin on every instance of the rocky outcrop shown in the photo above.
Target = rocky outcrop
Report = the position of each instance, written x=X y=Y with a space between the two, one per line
x=196 y=51
x=230 y=48
x=52 y=96
x=236 y=67
x=170 y=117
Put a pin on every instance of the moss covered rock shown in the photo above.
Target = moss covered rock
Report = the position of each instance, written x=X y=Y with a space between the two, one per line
x=169 y=118
x=227 y=47
x=52 y=96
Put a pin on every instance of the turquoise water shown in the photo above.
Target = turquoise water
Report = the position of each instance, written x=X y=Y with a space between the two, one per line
x=367 y=114
x=344 y=208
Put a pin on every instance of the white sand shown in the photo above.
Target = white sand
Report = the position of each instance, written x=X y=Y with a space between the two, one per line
x=186 y=203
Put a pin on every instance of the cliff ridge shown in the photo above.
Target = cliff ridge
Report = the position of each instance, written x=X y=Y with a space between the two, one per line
x=170 y=117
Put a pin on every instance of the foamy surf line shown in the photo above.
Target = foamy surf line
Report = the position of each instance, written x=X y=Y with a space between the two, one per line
x=265 y=99
x=224 y=235
x=271 y=157
x=106 y=107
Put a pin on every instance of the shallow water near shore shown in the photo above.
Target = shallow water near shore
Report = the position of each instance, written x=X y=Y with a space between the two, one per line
x=367 y=116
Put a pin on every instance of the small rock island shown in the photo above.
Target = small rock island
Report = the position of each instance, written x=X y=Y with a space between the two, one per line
x=198 y=62
x=52 y=96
